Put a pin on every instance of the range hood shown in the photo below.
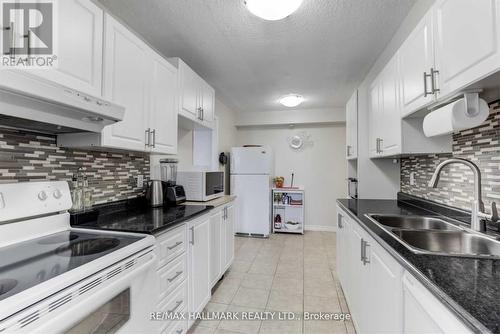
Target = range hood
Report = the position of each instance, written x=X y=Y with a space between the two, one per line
x=29 y=102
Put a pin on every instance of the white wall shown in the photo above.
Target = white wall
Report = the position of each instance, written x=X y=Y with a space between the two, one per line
x=320 y=168
x=286 y=117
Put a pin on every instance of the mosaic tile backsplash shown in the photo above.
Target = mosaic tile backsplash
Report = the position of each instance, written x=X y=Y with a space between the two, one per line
x=29 y=156
x=480 y=145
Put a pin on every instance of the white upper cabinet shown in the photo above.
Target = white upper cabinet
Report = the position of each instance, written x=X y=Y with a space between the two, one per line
x=197 y=97
x=189 y=90
x=79 y=52
x=163 y=109
x=416 y=58
x=351 y=111
x=207 y=103
x=389 y=135
x=146 y=84
x=467 y=38
x=126 y=69
x=375 y=118
x=390 y=123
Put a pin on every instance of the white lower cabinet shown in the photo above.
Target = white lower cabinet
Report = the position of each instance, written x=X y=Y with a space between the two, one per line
x=381 y=296
x=199 y=264
x=423 y=313
x=221 y=242
x=216 y=251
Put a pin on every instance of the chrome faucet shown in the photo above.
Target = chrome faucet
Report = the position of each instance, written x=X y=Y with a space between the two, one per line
x=478 y=214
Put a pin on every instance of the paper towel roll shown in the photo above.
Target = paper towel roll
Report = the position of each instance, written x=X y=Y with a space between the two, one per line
x=454 y=117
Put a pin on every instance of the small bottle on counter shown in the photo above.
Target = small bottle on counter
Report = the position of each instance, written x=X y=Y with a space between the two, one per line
x=76 y=194
x=87 y=194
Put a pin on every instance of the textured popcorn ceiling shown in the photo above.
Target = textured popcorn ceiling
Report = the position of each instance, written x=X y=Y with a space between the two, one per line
x=322 y=51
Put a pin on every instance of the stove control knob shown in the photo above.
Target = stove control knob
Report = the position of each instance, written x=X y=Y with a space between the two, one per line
x=42 y=195
x=57 y=194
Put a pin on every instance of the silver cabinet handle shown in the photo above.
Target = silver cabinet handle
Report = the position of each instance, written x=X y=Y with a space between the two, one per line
x=154 y=138
x=339 y=221
x=433 y=75
x=148 y=132
x=192 y=235
x=178 y=243
x=202 y=114
x=361 y=251
x=379 y=145
x=364 y=257
x=11 y=44
x=177 y=274
x=28 y=37
x=199 y=113
x=179 y=331
x=225 y=213
x=178 y=303
x=426 y=92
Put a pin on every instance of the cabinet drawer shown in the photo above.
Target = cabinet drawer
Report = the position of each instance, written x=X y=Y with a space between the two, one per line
x=177 y=302
x=170 y=245
x=172 y=275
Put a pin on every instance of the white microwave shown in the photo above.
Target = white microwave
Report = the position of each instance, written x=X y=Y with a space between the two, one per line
x=202 y=186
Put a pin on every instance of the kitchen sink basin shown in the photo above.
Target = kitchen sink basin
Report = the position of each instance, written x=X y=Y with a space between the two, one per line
x=413 y=222
x=436 y=236
x=455 y=243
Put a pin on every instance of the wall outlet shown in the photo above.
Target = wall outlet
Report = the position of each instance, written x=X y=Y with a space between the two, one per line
x=412 y=179
x=140 y=181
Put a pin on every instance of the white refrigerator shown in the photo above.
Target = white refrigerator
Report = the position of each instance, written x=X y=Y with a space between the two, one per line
x=251 y=171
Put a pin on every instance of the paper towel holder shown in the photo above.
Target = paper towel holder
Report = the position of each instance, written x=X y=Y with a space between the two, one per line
x=470 y=96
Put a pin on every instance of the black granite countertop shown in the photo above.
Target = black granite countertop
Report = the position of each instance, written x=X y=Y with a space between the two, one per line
x=136 y=216
x=469 y=287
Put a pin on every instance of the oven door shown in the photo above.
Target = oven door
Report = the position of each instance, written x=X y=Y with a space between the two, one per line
x=115 y=300
x=214 y=185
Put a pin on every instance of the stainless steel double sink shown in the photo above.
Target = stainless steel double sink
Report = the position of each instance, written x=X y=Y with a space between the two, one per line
x=435 y=236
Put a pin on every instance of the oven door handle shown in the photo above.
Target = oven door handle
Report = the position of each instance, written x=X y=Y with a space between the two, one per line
x=80 y=308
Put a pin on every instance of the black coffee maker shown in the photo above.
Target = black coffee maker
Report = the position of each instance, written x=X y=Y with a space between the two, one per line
x=173 y=194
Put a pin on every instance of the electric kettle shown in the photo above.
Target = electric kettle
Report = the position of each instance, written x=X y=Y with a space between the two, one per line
x=154 y=193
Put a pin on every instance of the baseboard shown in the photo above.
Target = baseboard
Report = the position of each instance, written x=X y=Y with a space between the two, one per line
x=320 y=228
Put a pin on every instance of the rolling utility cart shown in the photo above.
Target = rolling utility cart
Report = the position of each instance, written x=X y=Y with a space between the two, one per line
x=288 y=210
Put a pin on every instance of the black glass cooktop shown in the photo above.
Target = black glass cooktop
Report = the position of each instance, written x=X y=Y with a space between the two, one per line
x=136 y=216
x=35 y=261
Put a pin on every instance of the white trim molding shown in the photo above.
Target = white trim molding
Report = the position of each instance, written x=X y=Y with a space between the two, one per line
x=320 y=228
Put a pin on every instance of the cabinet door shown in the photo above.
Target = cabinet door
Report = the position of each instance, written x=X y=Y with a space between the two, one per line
x=383 y=303
x=230 y=223
x=217 y=256
x=467 y=37
x=357 y=278
x=416 y=57
x=423 y=313
x=343 y=232
x=163 y=113
x=352 y=127
x=375 y=119
x=199 y=256
x=390 y=114
x=208 y=103
x=126 y=75
x=80 y=47
x=189 y=86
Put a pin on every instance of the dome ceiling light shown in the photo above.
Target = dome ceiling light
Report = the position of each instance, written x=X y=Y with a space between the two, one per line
x=272 y=10
x=291 y=100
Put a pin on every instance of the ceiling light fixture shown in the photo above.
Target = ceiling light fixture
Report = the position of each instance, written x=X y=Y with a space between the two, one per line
x=272 y=10
x=291 y=100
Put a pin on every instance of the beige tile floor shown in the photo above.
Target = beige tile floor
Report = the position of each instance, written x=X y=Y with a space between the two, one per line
x=288 y=273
